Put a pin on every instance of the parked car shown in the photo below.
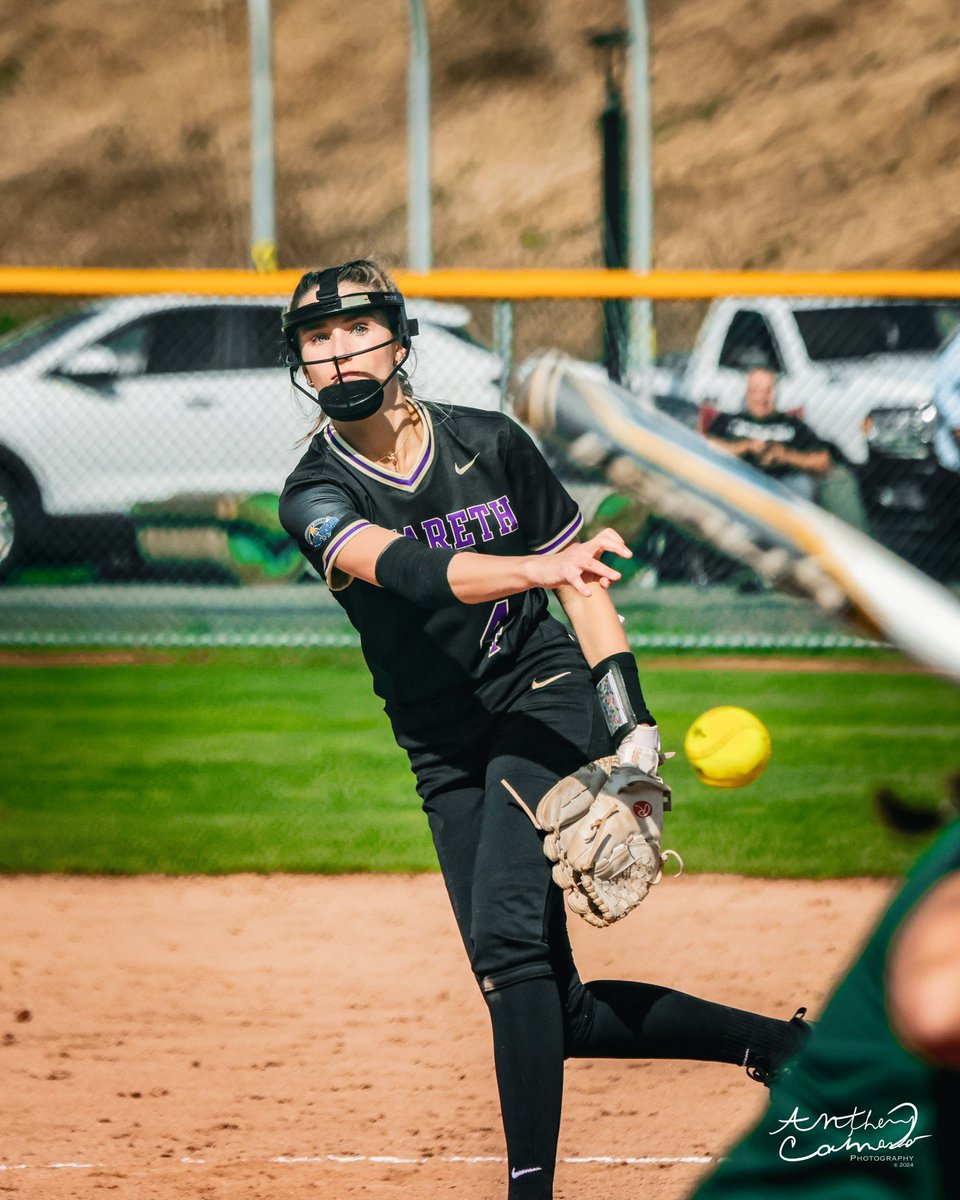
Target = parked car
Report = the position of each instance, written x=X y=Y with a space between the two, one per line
x=129 y=402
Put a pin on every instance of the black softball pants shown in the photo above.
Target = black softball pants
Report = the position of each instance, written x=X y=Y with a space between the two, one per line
x=544 y=724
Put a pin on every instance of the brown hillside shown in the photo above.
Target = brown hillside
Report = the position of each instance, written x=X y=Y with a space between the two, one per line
x=824 y=133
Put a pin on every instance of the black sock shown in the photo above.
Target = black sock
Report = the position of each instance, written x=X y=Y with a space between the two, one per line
x=641 y=1020
x=528 y=1052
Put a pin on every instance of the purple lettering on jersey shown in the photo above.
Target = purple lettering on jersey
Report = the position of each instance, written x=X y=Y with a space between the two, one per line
x=461 y=539
x=494 y=627
x=480 y=512
x=410 y=532
x=436 y=533
x=506 y=518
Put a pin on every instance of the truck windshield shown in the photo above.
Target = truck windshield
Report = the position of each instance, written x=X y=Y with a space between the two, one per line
x=860 y=331
x=19 y=344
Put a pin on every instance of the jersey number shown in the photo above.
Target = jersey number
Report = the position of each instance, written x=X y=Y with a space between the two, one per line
x=493 y=628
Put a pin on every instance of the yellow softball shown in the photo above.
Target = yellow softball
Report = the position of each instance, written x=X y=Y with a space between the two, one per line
x=728 y=747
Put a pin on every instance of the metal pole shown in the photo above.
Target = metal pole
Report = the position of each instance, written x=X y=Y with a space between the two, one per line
x=418 y=134
x=615 y=235
x=640 y=224
x=263 y=237
x=503 y=345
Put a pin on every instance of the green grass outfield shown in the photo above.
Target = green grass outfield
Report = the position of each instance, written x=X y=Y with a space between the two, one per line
x=222 y=761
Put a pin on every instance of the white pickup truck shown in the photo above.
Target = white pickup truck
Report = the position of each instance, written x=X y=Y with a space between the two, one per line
x=858 y=371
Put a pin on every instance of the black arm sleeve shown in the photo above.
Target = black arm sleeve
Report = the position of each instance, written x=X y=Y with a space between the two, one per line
x=416 y=572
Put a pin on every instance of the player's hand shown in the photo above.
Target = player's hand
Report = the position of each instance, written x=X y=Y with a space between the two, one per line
x=579 y=565
x=641 y=748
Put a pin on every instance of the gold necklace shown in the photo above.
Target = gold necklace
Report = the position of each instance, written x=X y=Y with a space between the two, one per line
x=391 y=459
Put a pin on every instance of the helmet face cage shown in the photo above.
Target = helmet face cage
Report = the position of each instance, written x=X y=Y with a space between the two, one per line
x=347 y=400
x=329 y=303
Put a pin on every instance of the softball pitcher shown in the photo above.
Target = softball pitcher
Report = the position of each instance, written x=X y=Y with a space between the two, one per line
x=439 y=530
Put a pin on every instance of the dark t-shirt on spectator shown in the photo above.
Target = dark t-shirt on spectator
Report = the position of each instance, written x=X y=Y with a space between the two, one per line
x=778 y=427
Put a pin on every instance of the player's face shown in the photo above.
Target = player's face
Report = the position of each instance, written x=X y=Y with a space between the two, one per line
x=362 y=343
x=761 y=393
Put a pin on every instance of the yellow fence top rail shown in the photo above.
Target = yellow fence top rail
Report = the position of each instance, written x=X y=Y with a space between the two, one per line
x=495 y=284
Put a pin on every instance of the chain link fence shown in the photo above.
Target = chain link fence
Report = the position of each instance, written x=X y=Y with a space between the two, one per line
x=144 y=441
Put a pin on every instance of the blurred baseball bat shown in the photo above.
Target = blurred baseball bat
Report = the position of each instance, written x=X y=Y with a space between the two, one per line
x=794 y=545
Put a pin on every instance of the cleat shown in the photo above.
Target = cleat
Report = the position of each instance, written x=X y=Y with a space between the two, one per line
x=766 y=1069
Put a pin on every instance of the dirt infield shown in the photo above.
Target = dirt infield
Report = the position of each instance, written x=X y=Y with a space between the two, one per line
x=281 y=1036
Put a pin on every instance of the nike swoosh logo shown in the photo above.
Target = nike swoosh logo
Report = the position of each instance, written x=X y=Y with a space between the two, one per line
x=515 y=1174
x=466 y=467
x=539 y=683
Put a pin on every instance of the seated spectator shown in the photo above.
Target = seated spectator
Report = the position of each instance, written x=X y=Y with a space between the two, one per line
x=786 y=448
x=776 y=443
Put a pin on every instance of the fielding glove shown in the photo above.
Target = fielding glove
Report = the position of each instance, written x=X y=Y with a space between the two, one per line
x=604 y=827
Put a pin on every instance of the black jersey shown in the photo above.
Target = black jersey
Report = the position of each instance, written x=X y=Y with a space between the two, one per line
x=479 y=484
x=788 y=430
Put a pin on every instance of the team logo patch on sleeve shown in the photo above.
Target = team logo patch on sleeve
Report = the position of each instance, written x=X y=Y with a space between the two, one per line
x=317 y=533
